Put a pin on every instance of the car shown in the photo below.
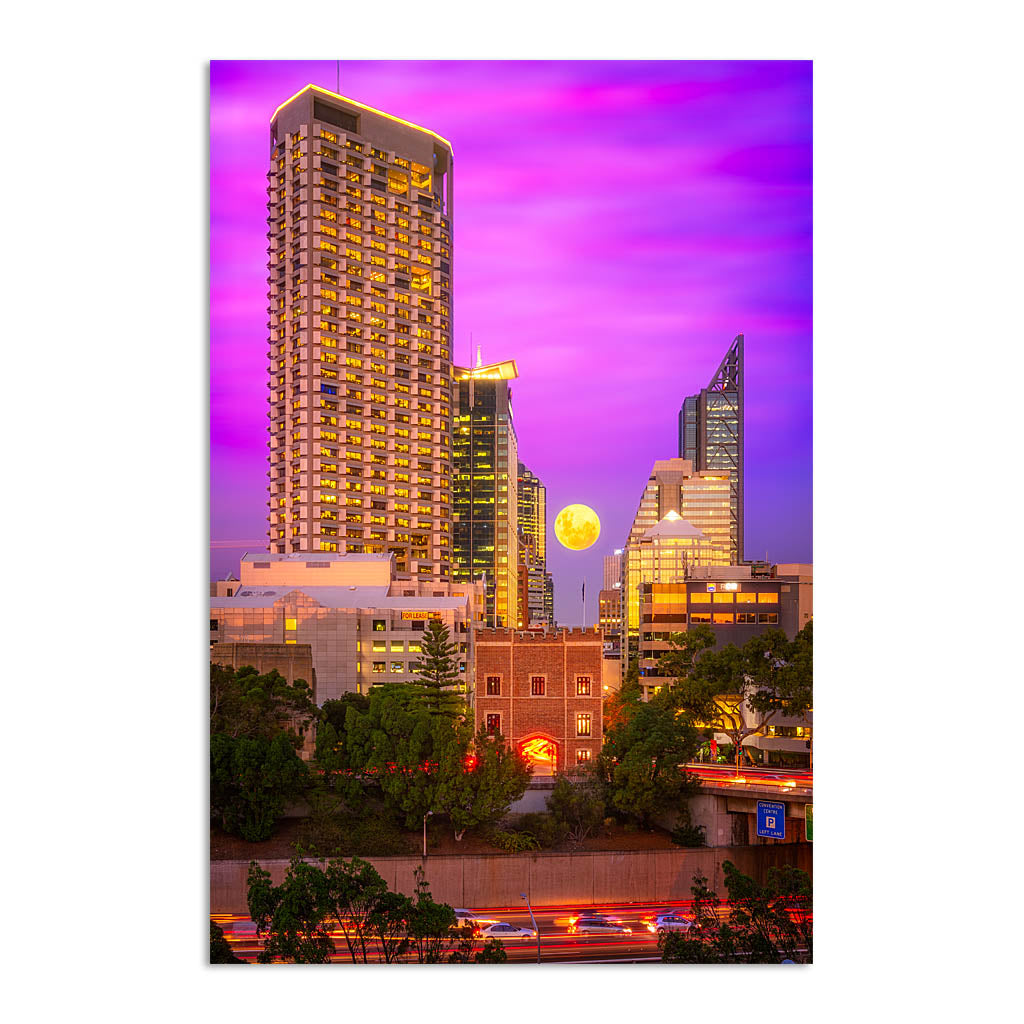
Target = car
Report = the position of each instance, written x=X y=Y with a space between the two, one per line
x=506 y=932
x=652 y=915
x=598 y=926
x=670 y=923
x=596 y=915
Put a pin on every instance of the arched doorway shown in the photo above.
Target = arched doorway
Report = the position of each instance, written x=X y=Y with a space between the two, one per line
x=542 y=753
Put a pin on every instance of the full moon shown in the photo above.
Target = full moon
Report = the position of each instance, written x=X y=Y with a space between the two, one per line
x=577 y=527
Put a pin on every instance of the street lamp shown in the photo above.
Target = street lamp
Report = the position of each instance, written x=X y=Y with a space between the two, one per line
x=534 y=921
x=425 y=816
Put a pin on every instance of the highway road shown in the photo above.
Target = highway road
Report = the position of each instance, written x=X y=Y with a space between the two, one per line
x=558 y=945
x=779 y=778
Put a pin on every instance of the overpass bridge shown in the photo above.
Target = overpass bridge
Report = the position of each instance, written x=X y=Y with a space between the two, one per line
x=726 y=804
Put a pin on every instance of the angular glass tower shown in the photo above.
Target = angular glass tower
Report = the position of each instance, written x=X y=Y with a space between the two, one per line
x=711 y=434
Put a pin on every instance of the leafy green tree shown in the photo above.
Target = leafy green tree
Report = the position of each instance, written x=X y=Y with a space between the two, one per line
x=478 y=787
x=765 y=923
x=432 y=926
x=577 y=804
x=618 y=703
x=220 y=951
x=389 y=923
x=641 y=762
x=353 y=892
x=251 y=779
x=291 y=915
x=245 y=703
x=738 y=691
x=437 y=679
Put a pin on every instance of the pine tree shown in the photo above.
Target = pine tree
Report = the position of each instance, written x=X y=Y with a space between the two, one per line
x=438 y=673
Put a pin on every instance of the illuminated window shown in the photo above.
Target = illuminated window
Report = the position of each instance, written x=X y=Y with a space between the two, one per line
x=700 y=617
x=746 y=598
x=493 y=686
x=379 y=625
x=700 y=597
x=745 y=617
x=723 y=598
x=378 y=666
x=398 y=666
x=493 y=724
x=723 y=618
x=582 y=756
x=764 y=598
x=537 y=686
x=583 y=725
x=583 y=686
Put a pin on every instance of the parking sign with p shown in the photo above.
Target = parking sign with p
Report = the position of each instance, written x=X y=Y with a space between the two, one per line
x=771 y=819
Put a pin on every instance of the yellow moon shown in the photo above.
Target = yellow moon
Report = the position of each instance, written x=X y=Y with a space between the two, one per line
x=577 y=527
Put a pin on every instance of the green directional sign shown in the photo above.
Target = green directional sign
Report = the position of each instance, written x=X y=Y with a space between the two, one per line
x=809 y=822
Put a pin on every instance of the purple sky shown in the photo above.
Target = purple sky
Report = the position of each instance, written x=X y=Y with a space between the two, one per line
x=616 y=225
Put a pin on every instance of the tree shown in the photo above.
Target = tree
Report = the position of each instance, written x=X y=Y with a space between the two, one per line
x=354 y=889
x=766 y=923
x=245 y=703
x=389 y=922
x=628 y=694
x=641 y=762
x=577 y=804
x=438 y=673
x=220 y=951
x=738 y=691
x=298 y=915
x=250 y=781
x=432 y=926
x=292 y=914
x=478 y=788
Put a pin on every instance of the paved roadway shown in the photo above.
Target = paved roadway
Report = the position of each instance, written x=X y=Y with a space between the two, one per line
x=557 y=945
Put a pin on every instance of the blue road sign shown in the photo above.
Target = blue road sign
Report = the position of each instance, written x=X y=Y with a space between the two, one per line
x=771 y=819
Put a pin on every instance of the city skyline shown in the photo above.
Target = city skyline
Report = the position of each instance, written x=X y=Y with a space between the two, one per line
x=705 y=198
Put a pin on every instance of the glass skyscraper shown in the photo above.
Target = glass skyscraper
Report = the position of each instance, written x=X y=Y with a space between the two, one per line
x=533 y=524
x=711 y=435
x=484 y=487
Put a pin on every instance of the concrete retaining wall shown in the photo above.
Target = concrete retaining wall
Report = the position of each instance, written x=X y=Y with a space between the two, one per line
x=548 y=878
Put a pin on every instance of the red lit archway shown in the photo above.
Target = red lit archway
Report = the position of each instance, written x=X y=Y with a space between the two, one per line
x=542 y=753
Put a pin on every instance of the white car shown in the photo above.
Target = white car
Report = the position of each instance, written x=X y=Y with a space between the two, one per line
x=670 y=923
x=507 y=932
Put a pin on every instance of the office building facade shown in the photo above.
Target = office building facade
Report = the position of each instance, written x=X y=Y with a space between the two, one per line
x=694 y=508
x=711 y=435
x=359 y=207
x=362 y=622
x=613 y=570
x=485 y=510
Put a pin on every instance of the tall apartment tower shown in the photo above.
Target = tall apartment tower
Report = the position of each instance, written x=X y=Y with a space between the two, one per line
x=359 y=230
x=533 y=524
x=686 y=509
x=711 y=435
x=485 y=492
